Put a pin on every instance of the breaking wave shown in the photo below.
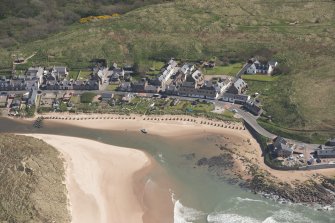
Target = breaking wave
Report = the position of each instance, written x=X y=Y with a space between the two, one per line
x=240 y=199
x=231 y=218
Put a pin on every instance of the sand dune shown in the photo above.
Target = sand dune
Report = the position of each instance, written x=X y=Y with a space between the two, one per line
x=100 y=179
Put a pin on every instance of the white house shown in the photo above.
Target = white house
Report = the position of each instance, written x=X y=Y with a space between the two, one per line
x=167 y=71
x=259 y=68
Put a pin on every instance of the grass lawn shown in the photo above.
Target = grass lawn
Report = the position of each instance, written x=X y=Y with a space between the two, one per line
x=259 y=77
x=84 y=75
x=228 y=113
x=231 y=70
x=75 y=99
x=157 y=65
x=317 y=137
x=276 y=102
x=73 y=75
x=112 y=87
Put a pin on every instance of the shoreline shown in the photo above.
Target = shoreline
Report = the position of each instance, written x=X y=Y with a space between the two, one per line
x=236 y=141
x=248 y=160
x=105 y=183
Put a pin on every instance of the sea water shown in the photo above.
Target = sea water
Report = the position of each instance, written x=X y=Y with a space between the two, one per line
x=201 y=197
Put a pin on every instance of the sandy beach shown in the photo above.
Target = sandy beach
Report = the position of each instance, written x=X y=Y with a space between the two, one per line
x=110 y=184
x=105 y=183
x=181 y=126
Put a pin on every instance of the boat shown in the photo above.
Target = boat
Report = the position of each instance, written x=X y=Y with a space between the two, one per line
x=144 y=131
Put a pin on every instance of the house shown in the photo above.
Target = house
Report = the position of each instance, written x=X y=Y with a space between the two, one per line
x=3 y=101
x=125 y=86
x=35 y=73
x=222 y=85
x=194 y=86
x=106 y=97
x=152 y=88
x=281 y=148
x=171 y=89
x=261 y=68
x=71 y=85
x=167 y=72
x=139 y=86
x=187 y=69
x=331 y=142
x=128 y=69
x=210 y=64
x=235 y=98
x=190 y=89
x=117 y=74
x=253 y=107
x=31 y=84
x=325 y=152
x=60 y=72
x=238 y=87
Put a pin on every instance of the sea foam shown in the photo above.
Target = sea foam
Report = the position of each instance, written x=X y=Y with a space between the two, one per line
x=183 y=214
x=231 y=218
x=240 y=199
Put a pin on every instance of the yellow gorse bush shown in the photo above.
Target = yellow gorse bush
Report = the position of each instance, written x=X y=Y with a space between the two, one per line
x=99 y=17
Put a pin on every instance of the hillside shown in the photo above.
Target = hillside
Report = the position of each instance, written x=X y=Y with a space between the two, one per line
x=300 y=34
x=26 y=20
x=32 y=176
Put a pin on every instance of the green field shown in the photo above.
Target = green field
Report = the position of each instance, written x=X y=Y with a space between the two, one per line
x=73 y=75
x=230 y=70
x=84 y=75
x=259 y=77
x=232 y=32
x=112 y=87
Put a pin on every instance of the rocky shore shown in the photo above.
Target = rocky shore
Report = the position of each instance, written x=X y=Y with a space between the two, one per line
x=237 y=168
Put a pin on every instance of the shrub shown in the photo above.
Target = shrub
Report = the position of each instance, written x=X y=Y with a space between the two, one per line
x=87 y=97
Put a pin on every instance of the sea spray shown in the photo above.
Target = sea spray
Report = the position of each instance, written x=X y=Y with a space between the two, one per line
x=222 y=217
x=183 y=214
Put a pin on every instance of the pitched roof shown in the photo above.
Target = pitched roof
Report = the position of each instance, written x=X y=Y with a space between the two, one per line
x=239 y=83
x=281 y=144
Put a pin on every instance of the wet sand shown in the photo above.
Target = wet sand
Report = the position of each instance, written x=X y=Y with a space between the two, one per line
x=185 y=126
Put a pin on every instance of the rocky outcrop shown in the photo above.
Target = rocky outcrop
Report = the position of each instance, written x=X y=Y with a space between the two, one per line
x=320 y=190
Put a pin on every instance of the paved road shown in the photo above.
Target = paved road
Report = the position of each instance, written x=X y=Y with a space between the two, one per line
x=252 y=121
x=241 y=72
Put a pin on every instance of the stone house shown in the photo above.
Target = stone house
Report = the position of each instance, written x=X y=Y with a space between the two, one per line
x=238 y=87
x=253 y=107
x=325 y=152
x=330 y=142
x=235 y=98
x=281 y=148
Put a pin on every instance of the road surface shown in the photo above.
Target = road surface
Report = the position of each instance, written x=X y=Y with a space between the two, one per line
x=252 y=121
